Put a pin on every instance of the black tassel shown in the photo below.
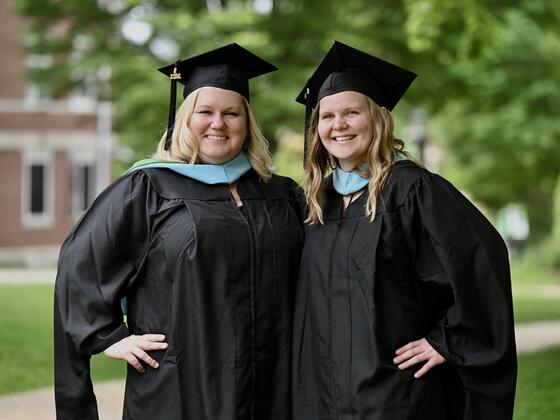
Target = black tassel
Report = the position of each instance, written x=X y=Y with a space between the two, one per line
x=172 y=107
x=308 y=112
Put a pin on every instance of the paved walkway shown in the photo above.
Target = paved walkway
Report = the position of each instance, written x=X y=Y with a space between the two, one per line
x=39 y=404
x=48 y=275
x=35 y=405
x=27 y=275
x=536 y=336
x=537 y=290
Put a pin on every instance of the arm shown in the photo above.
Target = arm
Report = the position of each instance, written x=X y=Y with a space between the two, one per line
x=455 y=247
x=98 y=261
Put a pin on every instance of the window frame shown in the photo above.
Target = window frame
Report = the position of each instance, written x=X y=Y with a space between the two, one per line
x=79 y=162
x=46 y=218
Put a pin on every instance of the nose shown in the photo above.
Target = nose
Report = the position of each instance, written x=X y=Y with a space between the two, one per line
x=339 y=123
x=217 y=122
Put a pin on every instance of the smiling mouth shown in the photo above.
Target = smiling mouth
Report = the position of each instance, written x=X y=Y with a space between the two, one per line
x=212 y=137
x=342 y=139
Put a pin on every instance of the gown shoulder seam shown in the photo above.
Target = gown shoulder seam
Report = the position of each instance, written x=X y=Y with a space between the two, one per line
x=412 y=190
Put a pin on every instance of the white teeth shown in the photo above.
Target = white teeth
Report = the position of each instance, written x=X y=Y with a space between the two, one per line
x=215 y=138
x=343 y=138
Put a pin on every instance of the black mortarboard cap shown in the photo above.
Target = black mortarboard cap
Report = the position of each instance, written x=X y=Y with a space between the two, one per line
x=345 y=68
x=229 y=67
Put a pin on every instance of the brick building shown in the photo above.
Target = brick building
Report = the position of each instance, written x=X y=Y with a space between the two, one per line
x=54 y=155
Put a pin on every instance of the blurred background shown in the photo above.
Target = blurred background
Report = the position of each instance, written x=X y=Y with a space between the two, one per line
x=81 y=100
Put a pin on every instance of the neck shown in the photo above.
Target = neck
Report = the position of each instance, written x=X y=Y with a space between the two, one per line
x=349 y=167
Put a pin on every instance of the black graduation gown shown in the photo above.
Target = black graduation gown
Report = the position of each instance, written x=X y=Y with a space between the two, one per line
x=218 y=281
x=430 y=265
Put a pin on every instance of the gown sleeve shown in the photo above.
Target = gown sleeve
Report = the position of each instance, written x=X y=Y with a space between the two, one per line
x=97 y=262
x=298 y=201
x=455 y=247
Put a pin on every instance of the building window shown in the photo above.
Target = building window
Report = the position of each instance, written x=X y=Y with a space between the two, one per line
x=82 y=187
x=37 y=181
x=37 y=190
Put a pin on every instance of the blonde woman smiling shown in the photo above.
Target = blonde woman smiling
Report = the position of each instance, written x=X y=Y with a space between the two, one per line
x=403 y=306
x=203 y=241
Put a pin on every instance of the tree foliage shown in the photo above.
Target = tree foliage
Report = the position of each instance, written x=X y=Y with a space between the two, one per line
x=489 y=71
x=503 y=133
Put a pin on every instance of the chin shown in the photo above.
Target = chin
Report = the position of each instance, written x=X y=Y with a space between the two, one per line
x=217 y=158
x=211 y=159
x=343 y=156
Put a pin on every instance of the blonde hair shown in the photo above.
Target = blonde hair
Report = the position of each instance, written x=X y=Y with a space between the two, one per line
x=380 y=156
x=184 y=146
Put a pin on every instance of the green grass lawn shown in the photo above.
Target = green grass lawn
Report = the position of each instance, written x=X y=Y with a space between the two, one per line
x=531 y=308
x=536 y=291
x=26 y=345
x=527 y=272
x=538 y=386
x=26 y=351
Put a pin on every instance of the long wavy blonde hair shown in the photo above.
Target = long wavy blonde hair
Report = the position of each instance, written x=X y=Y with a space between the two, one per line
x=380 y=157
x=184 y=146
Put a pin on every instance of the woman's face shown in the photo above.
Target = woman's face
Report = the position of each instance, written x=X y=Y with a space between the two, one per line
x=345 y=127
x=219 y=124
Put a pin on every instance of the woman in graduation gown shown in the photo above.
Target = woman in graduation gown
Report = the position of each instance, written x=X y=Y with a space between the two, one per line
x=204 y=242
x=403 y=305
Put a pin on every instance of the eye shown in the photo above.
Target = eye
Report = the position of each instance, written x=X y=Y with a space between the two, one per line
x=327 y=116
x=352 y=112
x=204 y=112
x=232 y=113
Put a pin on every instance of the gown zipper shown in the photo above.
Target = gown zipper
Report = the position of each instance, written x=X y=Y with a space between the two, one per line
x=339 y=223
x=246 y=221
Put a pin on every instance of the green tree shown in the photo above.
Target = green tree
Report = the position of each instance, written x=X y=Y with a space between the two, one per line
x=488 y=71
x=556 y=225
x=504 y=133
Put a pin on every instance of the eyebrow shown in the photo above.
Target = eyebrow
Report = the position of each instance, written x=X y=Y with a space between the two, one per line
x=353 y=106
x=229 y=108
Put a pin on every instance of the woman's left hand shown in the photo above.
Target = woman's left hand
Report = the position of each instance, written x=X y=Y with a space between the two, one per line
x=416 y=352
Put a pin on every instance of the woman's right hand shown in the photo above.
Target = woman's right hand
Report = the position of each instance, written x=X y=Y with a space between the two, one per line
x=134 y=347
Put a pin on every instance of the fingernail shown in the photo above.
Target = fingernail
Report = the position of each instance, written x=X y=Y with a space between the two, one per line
x=165 y=345
x=156 y=365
